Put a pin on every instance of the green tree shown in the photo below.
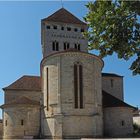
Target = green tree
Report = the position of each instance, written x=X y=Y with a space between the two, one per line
x=114 y=27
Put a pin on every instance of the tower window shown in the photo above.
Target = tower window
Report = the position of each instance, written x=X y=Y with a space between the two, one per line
x=122 y=123
x=55 y=27
x=82 y=30
x=6 y=123
x=66 y=46
x=22 y=122
x=77 y=46
x=75 y=29
x=48 y=27
x=55 y=46
x=62 y=28
x=78 y=86
x=112 y=83
x=68 y=29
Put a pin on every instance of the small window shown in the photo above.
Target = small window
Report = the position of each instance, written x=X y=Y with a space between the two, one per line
x=55 y=27
x=68 y=28
x=122 y=123
x=5 y=122
x=112 y=83
x=48 y=27
x=22 y=122
x=82 y=30
x=62 y=28
x=75 y=29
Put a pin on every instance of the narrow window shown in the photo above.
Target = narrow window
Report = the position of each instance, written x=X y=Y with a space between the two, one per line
x=66 y=46
x=47 y=80
x=75 y=29
x=78 y=86
x=48 y=27
x=78 y=47
x=62 y=28
x=22 y=122
x=68 y=29
x=55 y=27
x=75 y=87
x=55 y=46
x=81 y=85
x=82 y=30
x=5 y=122
x=122 y=123
x=112 y=83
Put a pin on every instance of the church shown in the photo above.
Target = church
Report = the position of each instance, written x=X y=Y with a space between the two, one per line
x=72 y=98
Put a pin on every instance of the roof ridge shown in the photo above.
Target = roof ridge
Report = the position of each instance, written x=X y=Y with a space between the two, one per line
x=64 y=16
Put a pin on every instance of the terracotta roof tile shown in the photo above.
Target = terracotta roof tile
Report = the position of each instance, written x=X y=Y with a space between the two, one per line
x=26 y=83
x=111 y=101
x=64 y=16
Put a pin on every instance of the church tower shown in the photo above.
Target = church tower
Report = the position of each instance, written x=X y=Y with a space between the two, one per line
x=71 y=79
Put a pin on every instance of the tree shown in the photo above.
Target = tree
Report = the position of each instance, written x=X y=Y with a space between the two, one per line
x=114 y=27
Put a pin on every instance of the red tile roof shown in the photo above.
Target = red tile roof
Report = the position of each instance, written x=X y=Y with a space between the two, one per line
x=111 y=101
x=64 y=16
x=26 y=83
x=21 y=101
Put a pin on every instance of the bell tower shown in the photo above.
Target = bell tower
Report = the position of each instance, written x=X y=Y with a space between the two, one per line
x=62 y=31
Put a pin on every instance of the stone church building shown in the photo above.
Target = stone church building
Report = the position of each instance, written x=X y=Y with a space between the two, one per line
x=71 y=98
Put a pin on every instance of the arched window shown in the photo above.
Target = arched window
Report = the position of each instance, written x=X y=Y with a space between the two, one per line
x=78 y=85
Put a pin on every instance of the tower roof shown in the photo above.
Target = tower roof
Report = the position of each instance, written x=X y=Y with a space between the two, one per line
x=64 y=16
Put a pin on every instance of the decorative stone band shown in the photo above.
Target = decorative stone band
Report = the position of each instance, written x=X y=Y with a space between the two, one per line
x=72 y=52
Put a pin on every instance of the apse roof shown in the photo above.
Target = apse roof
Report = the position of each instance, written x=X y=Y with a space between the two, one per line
x=64 y=16
x=26 y=83
x=111 y=101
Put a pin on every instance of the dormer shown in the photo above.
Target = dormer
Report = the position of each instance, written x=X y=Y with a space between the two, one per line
x=62 y=31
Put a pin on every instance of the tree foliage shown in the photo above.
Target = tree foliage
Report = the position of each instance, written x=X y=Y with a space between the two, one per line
x=114 y=26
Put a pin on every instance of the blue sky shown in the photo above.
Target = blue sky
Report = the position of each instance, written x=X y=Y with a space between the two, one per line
x=20 y=45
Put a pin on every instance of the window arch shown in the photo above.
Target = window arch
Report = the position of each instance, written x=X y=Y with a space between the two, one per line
x=78 y=85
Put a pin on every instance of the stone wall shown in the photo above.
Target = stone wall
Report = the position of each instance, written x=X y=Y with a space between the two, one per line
x=61 y=98
x=11 y=95
x=61 y=36
x=13 y=116
x=1 y=128
x=118 y=121
x=116 y=89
